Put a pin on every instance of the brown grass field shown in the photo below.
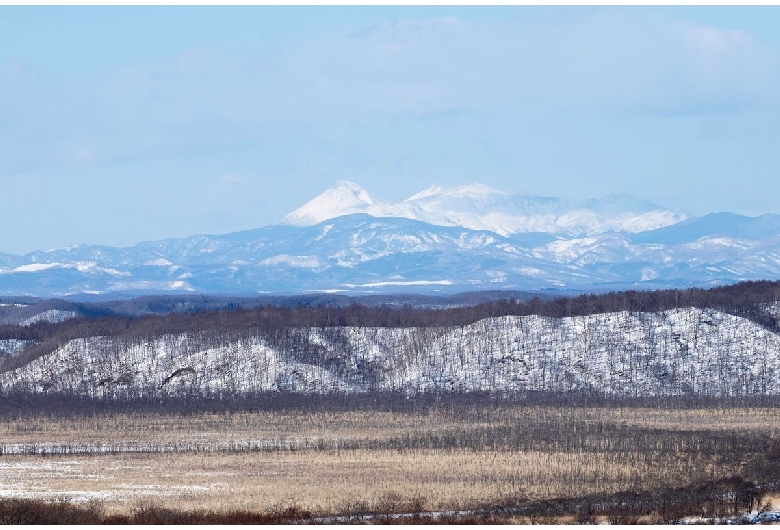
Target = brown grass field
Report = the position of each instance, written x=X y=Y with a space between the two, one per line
x=335 y=463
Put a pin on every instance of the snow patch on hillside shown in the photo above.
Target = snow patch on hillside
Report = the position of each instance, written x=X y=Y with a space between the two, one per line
x=159 y=262
x=401 y=283
x=306 y=262
x=35 y=267
x=176 y=285
x=51 y=315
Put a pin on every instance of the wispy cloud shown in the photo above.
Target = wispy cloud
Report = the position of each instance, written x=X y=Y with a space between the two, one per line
x=607 y=61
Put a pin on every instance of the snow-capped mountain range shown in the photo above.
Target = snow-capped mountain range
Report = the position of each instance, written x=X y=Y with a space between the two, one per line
x=468 y=238
x=480 y=207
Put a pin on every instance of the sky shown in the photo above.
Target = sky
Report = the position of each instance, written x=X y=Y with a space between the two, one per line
x=126 y=124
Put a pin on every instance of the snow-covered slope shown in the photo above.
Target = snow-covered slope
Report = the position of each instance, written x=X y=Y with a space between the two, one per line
x=480 y=207
x=682 y=351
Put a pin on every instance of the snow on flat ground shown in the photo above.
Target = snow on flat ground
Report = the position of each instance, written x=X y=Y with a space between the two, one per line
x=50 y=480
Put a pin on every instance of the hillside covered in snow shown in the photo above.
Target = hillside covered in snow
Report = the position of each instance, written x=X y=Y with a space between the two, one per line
x=686 y=350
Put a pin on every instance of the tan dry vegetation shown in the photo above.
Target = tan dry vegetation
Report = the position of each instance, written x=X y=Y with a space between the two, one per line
x=328 y=480
x=211 y=427
x=758 y=419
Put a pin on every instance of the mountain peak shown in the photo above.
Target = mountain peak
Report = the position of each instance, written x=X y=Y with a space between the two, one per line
x=476 y=188
x=353 y=193
x=348 y=185
x=344 y=198
x=478 y=206
x=427 y=192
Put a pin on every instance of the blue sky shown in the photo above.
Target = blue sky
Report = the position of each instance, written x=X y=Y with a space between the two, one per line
x=123 y=124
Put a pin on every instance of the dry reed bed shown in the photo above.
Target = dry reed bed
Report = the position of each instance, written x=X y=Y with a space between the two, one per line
x=219 y=428
x=443 y=458
x=332 y=482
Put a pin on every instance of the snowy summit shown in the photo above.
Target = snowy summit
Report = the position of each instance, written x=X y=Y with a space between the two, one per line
x=481 y=207
x=344 y=198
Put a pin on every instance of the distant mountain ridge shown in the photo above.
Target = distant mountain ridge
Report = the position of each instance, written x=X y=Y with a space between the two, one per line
x=437 y=241
x=480 y=207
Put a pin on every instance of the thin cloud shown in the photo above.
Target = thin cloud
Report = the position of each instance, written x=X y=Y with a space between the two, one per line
x=600 y=61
